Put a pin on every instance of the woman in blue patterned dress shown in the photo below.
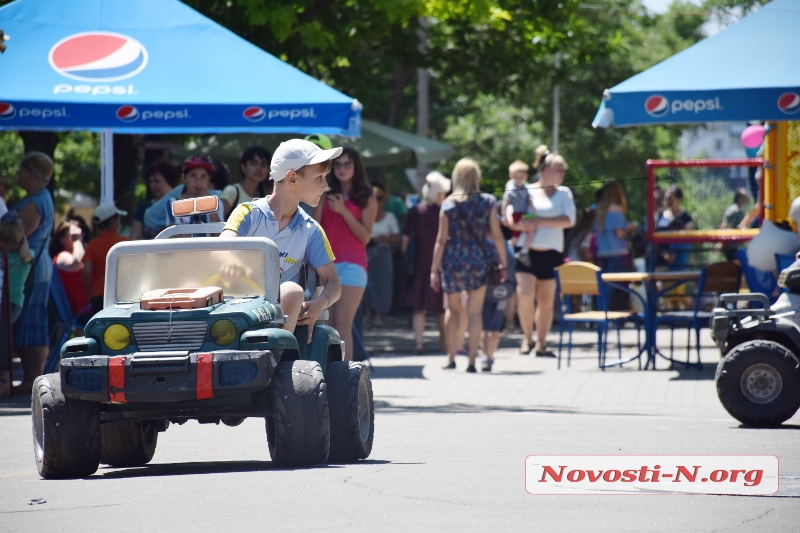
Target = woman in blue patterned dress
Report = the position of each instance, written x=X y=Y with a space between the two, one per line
x=460 y=258
x=36 y=211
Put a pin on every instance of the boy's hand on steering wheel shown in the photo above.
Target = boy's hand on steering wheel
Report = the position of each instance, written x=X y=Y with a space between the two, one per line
x=232 y=272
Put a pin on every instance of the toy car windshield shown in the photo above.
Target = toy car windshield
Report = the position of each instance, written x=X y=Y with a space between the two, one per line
x=237 y=266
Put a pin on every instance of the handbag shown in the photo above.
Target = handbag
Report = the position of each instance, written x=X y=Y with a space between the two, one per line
x=492 y=267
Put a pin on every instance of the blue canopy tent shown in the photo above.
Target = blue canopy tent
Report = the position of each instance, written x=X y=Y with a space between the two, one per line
x=748 y=71
x=151 y=66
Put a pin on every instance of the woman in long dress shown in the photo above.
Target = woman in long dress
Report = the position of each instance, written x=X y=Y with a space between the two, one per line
x=422 y=225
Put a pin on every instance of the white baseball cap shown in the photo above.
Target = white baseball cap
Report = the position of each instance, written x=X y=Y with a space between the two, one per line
x=105 y=211
x=296 y=153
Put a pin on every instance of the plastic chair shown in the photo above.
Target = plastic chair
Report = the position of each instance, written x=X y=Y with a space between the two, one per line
x=66 y=323
x=577 y=278
x=715 y=279
x=784 y=261
x=757 y=280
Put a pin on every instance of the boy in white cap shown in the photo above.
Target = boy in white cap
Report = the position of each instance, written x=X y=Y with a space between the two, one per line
x=298 y=169
x=107 y=222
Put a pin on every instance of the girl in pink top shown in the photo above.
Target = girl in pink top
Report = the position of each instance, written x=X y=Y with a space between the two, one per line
x=347 y=213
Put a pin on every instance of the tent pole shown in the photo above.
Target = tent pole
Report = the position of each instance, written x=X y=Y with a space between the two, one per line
x=107 y=166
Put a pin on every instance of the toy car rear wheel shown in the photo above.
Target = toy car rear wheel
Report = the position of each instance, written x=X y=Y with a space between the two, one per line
x=758 y=383
x=66 y=433
x=352 y=411
x=298 y=431
x=128 y=443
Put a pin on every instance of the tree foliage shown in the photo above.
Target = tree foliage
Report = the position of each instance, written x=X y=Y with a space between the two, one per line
x=492 y=71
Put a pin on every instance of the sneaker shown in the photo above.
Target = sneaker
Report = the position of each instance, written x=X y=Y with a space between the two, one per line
x=524 y=258
x=545 y=353
x=449 y=366
x=471 y=369
x=486 y=364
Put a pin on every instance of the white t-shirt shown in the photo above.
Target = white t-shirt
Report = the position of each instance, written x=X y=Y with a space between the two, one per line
x=561 y=203
x=386 y=226
x=229 y=195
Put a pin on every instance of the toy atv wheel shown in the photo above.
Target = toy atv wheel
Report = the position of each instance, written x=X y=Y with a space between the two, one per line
x=66 y=433
x=128 y=443
x=758 y=383
x=298 y=431
x=352 y=411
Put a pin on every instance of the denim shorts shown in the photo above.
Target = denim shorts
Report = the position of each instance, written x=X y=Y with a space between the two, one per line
x=352 y=275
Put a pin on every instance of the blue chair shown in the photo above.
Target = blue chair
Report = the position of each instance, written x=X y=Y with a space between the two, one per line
x=715 y=279
x=66 y=323
x=784 y=261
x=577 y=278
x=757 y=280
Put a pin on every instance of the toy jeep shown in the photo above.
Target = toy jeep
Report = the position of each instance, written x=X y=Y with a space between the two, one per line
x=178 y=340
x=758 y=378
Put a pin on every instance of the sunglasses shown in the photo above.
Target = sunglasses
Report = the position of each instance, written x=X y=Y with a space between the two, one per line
x=343 y=164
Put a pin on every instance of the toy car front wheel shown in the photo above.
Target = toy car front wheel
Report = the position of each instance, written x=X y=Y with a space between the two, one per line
x=66 y=433
x=128 y=443
x=758 y=383
x=352 y=411
x=298 y=431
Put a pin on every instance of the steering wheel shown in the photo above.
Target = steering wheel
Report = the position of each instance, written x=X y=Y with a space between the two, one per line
x=251 y=286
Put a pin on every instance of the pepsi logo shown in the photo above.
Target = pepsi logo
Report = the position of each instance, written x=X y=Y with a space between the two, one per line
x=7 y=111
x=254 y=113
x=789 y=103
x=656 y=105
x=127 y=113
x=98 y=56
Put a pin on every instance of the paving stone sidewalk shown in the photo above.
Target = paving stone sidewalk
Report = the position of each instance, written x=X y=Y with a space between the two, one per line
x=406 y=382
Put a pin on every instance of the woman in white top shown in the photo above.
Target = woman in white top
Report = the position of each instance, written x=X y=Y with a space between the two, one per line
x=380 y=257
x=536 y=284
x=254 y=167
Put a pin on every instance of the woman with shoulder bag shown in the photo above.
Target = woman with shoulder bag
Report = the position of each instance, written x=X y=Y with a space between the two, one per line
x=461 y=260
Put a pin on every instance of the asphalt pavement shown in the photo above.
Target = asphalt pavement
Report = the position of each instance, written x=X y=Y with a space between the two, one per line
x=448 y=456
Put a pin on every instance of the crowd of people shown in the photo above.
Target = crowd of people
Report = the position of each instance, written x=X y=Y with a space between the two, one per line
x=446 y=255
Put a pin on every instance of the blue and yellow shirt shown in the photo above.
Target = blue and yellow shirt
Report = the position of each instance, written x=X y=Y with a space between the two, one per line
x=302 y=240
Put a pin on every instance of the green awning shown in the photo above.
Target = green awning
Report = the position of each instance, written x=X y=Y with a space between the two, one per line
x=379 y=145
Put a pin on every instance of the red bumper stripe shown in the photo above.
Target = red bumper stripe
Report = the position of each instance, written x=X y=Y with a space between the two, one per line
x=116 y=379
x=205 y=375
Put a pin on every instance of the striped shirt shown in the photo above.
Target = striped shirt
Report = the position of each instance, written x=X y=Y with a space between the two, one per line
x=303 y=240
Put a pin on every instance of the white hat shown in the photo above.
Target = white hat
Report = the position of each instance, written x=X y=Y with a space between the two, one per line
x=105 y=211
x=296 y=153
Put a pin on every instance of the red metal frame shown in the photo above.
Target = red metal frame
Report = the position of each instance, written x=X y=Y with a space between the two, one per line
x=652 y=164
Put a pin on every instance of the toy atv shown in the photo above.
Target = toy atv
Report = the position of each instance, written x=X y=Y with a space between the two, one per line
x=179 y=340
x=758 y=378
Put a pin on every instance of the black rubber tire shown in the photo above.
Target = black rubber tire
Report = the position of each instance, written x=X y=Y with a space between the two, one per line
x=299 y=431
x=128 y=443
x=352 y=411
x=66 y=433
x=774 y=380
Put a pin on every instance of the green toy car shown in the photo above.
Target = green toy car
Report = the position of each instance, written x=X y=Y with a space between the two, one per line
x=170 y=346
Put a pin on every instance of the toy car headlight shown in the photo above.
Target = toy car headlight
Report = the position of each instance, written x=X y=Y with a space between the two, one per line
x=116 y=337
x=223 y=332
